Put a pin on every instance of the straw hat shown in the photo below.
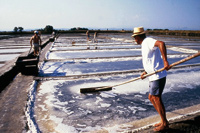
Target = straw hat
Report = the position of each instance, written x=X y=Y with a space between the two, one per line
x=138 y=31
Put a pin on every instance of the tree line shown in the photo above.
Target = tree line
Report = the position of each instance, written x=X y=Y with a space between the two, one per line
x=47 y=29
x=18 y=29
x=157 y=29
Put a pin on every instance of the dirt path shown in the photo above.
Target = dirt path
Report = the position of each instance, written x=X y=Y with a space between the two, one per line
x=13 y=102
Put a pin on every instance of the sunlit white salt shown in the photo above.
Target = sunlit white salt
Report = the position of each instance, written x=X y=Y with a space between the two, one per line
x=72 y=101
x=28 y=113
x=47 y=87
x=184 y=50
x=88 y=104
x=105 y=105
x=107 y=95
x=98 y=100
x=92 y=53
x=136 y=108
x=176 y=81
x=140 y=86
x=177 y=56
x=13 y=50
x=137 y=96
x=8 y=57
x=80 y=125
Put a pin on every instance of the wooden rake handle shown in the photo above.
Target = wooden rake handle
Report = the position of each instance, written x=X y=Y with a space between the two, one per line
x=29 y=50
x=172 y=65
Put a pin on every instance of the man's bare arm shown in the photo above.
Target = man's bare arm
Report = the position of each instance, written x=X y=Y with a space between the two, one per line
x=163 y=50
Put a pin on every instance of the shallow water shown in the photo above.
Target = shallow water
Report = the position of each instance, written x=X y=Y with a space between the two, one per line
x=60 y=107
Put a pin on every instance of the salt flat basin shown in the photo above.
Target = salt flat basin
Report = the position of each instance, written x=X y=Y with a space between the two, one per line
x=92 y=53
x=192 y=47
x=95 y=47
x=14 y=47
x=13 y=50
x=8 y=57
x=96 y=53
x=61 y=107
x=184 y=43
x=64 y=44
x=77 y=67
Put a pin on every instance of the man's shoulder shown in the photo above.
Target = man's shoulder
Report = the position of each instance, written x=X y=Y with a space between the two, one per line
x=149 y=40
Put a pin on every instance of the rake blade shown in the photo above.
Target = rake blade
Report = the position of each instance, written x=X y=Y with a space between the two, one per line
x=95 y=89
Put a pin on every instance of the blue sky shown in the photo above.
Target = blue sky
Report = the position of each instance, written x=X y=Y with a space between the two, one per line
x=96 y=14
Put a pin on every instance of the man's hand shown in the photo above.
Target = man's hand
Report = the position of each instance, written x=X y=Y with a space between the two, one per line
x=144 y=73
x=166 y=65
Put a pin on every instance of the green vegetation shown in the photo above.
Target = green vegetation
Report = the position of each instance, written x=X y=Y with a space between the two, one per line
x=49 y=30
x=78 y=28
x=174 y=32
x=157 y=29
x=18 y=29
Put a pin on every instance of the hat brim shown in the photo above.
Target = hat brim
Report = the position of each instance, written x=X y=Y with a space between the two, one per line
x=136 y=34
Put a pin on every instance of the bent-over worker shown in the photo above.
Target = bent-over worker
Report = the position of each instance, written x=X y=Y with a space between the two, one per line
x=154 y=57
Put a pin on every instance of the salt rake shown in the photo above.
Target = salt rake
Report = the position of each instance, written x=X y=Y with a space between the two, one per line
x=106 y=88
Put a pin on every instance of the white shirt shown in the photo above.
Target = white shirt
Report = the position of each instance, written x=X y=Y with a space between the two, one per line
x=152 y=59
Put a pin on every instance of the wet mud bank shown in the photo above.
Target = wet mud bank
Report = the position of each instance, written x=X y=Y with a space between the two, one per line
x=13 y=102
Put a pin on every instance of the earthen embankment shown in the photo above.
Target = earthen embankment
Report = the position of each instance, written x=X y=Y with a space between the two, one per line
x=13 y=96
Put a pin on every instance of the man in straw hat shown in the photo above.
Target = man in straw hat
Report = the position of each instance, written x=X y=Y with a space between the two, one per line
x=154 y=57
